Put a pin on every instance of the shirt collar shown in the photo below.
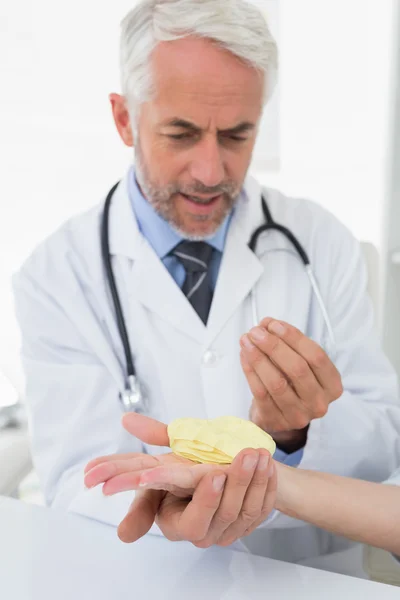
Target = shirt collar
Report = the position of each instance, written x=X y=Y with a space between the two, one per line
x=157 y=231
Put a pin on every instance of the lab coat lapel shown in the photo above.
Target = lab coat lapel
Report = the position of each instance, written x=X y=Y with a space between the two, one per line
x=149 y=282
x=240 y=268
x=156 y=289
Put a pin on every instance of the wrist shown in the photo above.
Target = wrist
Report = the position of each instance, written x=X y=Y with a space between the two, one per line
x=287 y=441
x=288 y=491
x=291 y=441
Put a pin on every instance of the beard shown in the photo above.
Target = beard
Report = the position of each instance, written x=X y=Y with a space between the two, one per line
x=162 y=200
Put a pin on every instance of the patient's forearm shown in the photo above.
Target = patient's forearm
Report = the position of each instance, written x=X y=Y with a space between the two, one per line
x=362 y=511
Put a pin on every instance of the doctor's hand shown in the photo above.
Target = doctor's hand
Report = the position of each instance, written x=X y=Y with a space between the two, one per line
x=292 y=379
x=204 y=504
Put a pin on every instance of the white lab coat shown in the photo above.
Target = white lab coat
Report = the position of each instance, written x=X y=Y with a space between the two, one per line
x=394 y=479
x=75 y=366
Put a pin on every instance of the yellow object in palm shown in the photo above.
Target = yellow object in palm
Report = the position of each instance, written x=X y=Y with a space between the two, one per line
x=216 y=441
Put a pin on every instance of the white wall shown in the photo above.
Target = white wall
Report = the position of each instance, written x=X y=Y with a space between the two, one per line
x=59 y=151
x=336 y=58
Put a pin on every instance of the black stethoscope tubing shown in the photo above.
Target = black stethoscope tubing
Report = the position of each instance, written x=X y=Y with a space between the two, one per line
x=269 y=225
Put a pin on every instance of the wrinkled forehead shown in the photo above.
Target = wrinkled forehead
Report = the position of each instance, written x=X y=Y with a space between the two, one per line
x=195 y=79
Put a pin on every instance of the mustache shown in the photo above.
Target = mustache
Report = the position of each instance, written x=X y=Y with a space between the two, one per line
x=228 y=188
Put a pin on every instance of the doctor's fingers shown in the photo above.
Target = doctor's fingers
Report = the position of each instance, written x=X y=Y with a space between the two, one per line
x=240 y=476
x=292 y=365
x=190 y=520
x=264 y=411
x=111 y=469
x=141 y=515
x=289 y=411
x=319 y=362
x=257 y=387
x=255 y=507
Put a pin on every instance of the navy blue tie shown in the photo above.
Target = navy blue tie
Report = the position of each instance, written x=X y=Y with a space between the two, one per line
x=196 y=258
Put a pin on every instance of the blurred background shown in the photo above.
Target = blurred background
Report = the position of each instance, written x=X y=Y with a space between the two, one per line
x=331 y=133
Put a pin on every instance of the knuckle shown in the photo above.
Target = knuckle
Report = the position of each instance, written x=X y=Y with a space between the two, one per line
x=300 y=369
x=171 y=536
x=273 y=344
x=338 y=389
x=279 y=386
x=250 y=514
x=190 y=535
x=302 y=422
x=261 y=394
x=227 y=516
x=247 y=368
x=257 y=358
x=320 y=409
x=320 y=359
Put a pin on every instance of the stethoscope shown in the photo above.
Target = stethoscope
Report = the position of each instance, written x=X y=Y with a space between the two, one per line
x=133 y=397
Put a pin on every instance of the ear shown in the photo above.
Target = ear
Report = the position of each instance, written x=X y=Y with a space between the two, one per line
x=122 y=118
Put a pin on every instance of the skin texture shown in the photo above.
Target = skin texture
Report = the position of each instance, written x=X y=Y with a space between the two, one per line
x=195 y=139
x=362 y=511
x=292 y=379
x=219 y=506
x=220 y=99
x=182 y=498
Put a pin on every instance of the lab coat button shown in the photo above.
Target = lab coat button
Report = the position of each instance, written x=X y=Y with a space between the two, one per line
x=210 y=358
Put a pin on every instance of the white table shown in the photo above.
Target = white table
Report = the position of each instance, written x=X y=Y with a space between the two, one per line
x=47 y=555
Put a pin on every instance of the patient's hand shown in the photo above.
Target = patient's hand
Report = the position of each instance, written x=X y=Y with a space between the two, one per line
x=202 y=503
x=169 y=472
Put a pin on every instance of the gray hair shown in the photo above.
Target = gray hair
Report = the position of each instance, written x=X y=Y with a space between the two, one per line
x=235 y=25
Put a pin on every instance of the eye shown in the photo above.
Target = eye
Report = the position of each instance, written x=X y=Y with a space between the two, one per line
x=180 y=136
x=234 y=138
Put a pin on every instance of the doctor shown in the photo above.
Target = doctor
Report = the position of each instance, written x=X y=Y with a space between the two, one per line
x=195 y=77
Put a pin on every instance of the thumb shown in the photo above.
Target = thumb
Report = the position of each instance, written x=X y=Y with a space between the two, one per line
x=148 y=430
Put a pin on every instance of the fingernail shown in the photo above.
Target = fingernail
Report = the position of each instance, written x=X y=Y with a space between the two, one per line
x=258 y=333
x=277 y=328
x=246 y=342
x=249 y=462
x=263 y=462
x=219 y=482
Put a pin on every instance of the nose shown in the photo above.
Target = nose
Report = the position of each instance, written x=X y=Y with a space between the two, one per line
x=207 y=165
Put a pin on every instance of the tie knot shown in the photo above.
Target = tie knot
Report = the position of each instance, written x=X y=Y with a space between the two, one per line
x=194 y=256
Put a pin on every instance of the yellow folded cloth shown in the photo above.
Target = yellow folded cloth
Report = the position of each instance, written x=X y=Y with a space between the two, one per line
x=216 y=441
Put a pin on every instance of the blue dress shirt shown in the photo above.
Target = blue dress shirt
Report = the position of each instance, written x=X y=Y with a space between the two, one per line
x=163 y=239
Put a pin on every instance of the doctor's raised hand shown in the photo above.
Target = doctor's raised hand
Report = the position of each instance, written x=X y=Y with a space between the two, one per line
x=201 y=503
x=292 y=379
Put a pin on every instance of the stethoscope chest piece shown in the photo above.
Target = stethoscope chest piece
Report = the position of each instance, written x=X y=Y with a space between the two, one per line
x=132 y=398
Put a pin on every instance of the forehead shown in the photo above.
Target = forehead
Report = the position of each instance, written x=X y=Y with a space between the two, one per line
x=197 y=80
